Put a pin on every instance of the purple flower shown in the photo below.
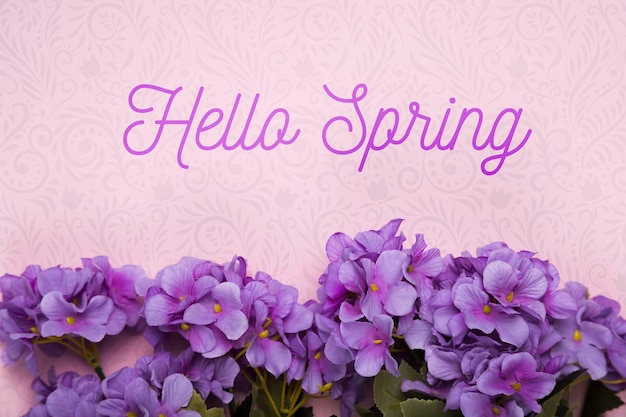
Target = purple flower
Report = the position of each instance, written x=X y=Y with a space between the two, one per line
x=72 y=284
x=481 y=314
x=69 y=395
x=266 y=352
x=178 y=289
x=387 y=292
x=373 y=242
x=114 y=386
x=584 y=341
x=20 y=316
x=515 y=288
x=320 y=370
x=371 y=342
x=220 y=308
x=349 y=391
x=516 y=375
x=209 y=376
x=141 y=400
x=120 y=286
x=423 y=265
x=476 y=404
x=65 y=318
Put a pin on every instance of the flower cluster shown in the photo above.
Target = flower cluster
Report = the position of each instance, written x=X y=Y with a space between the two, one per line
x=491 y=334
x=218 y=308
x=69 y=394
x=498 y=333
x=63 y=307
x=163 y=384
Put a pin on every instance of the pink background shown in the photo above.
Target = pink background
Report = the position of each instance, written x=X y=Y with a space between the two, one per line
x=69 y=189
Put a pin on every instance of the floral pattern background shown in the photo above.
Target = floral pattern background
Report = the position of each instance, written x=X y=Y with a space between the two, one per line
x=69 y=189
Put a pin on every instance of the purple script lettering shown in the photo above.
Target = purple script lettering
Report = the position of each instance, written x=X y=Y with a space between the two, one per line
x=369 y=143
x=206 y=124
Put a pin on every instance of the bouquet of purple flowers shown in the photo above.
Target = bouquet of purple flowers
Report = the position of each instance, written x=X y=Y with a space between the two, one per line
x=474 y=336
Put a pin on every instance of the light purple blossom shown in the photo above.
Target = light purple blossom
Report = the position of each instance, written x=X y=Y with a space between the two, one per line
x=69 y=395
x=476 y=404
x=481 y=314
x=371 y=342
x=387 y=292
x=65 y=318
x=516 y=375
x=141 y=400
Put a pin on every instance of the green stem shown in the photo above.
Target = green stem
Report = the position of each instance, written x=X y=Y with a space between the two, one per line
x=294 y=409
x=99 y=372
x=261 y=378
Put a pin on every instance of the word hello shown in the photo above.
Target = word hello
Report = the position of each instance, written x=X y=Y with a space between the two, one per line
x=388 y=128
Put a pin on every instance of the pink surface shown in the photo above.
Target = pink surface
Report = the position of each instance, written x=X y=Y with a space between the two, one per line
x=69 y=187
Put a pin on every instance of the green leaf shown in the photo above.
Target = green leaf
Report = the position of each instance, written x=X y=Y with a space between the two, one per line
x=599 y=399
x=564 y=383
x=387 y=392
x=426 y=408
x=197 y=404
x=368 y=412
x=214 y=412
x=261 y=403
x=260 y=406
x=551 y=405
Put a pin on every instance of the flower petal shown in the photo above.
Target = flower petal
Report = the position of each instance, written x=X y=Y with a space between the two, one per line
x=400 y=299
x=177 y=391
x=159 y=308
x=55 y=307
x=177 y=281
x=234 y=324
x=390 y=266
x=369 y=361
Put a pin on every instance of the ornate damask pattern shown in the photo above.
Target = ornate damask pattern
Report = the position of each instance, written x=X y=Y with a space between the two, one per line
x=69 y=189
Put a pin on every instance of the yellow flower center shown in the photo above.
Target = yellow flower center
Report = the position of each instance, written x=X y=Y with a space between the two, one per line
x=34 y=330
x=516 y=386
x=217 y=308
x=181 y=298
x=131 y=414
x=378 y=341
x=162 y=415
x=577 y=335
x=263 y=334
x=70 y=320
x=374 y=287
x=509 y=297
x=496 y=410
x=325 y=387
x=185 y=326
x=318 y=355
x=486 y=309
x=410 y=268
